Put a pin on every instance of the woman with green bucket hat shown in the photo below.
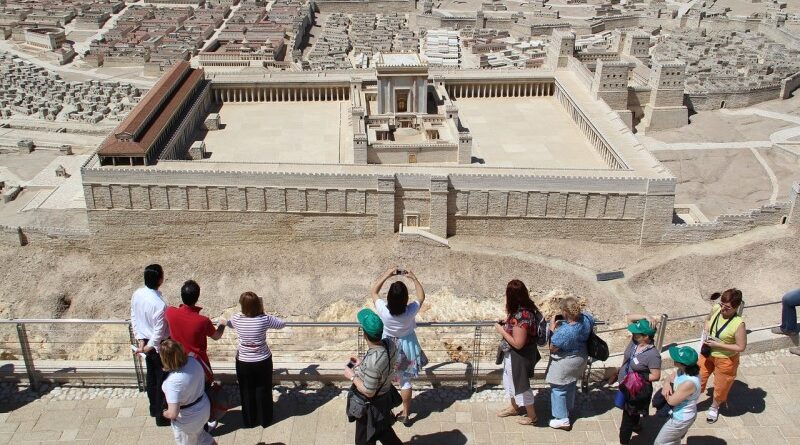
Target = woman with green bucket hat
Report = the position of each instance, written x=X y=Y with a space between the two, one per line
x=641 y=357
x=681 y=390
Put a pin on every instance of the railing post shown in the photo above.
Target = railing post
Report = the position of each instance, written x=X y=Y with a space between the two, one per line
x=476 y=358
x=360 y=342
x=662 y=330
x=26 y=356
x=137 y=361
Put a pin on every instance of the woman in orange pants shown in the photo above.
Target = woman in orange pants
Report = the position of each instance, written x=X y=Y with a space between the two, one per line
x=726 y=339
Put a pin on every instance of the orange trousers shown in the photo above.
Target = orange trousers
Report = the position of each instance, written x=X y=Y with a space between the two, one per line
x=724 y=370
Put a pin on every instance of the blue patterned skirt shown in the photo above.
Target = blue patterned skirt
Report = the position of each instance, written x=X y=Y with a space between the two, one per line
x=412 y=358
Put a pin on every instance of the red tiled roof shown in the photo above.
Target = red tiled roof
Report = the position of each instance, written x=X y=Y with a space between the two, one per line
x=148 y=119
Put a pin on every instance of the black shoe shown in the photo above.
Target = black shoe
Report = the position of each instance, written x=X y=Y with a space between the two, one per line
x=163 y=421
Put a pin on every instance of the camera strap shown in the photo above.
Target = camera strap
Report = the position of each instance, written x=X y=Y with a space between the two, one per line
x=715 y=324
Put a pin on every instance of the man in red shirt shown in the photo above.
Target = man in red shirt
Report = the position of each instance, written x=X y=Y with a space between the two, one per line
x=191 y=329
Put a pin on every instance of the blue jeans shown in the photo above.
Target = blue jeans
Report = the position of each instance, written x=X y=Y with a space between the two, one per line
x=789 y=317
x=562 y=400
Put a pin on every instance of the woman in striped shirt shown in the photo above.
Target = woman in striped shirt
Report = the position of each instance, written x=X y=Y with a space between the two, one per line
x=254 y=359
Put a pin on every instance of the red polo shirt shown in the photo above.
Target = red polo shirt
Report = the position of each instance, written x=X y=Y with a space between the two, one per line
x=190 y=329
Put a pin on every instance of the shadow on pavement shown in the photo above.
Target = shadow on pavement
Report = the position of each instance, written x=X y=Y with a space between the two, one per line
x=14 y=394
x=454 y=437
x=705 y=440
x=742 y=400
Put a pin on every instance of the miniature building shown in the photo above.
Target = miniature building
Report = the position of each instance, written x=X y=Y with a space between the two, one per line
x=46 y=38
x=136 y=139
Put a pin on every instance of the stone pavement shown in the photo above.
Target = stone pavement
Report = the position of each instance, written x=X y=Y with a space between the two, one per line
x=763 y=410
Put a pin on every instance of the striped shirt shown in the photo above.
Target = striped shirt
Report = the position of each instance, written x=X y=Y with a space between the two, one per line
x=377 y=367
x=252 y=332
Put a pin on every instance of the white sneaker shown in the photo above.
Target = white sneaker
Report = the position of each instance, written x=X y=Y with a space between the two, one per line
x=211 y=425
x=713 y=414
x=560 y=424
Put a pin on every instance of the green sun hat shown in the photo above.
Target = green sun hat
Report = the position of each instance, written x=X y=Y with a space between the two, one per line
x=684 y=355
x=641 y=327
x=370 y=323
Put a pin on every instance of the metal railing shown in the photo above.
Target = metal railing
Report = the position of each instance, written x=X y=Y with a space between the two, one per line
x=100 y=349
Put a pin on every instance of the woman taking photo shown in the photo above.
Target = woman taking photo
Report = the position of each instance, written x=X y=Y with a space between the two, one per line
x=399 y=322
x=519 y=331
x=681 y=391
x=726 y=339
x=184 y=389
x=642 y=357
x=567 y=359
x=254 y=359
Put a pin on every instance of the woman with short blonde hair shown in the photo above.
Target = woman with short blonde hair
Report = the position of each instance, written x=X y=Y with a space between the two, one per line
x=568 y=356
x=184 y=389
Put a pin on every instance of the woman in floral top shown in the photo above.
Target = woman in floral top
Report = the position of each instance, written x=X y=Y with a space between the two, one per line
x=520 y=355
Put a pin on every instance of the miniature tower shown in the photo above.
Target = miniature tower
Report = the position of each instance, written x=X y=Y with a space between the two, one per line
x=562 y=46
x=665 y=109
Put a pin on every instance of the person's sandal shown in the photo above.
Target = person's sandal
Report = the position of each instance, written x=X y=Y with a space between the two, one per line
x=527 y=420
x=508 y=412
x=713 y=415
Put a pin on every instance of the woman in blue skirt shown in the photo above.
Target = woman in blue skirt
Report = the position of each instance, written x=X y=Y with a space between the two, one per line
x=399 y=322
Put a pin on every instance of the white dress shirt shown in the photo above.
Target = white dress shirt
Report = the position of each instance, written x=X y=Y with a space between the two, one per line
x=147 y=316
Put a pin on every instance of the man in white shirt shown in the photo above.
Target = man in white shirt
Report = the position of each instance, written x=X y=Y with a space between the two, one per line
x=150 y=327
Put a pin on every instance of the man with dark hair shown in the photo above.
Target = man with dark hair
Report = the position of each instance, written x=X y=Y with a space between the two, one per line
x=191 y=329
x=149 y=328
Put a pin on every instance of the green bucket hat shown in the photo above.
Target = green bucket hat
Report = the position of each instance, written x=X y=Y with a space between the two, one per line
x=684 y=355
x=370 y=323
x=641 y=327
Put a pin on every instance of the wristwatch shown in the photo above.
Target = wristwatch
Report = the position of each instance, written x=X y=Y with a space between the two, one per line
x=353 y=378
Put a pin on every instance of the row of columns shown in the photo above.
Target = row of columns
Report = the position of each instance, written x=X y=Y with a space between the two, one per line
x=589 y=131
x=501 y=90
x=265 y=94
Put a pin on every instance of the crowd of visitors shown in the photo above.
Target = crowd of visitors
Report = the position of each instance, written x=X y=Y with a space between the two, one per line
x=173 y=342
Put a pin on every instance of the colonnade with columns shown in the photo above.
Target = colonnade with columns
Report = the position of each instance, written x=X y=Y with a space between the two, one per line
x=516 y=89
x=280 y=94
x=598 y=142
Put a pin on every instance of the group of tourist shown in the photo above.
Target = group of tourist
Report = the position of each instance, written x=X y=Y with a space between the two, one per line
x=173 y=341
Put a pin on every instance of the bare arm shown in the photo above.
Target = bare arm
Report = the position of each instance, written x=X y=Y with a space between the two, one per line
x=376 y=287
x=681 y=393
x=655 y=375
x=220 y=330
x=517 y=337
x=633 y=318
x=172 y=411
x=350 y=373
x=418 y=287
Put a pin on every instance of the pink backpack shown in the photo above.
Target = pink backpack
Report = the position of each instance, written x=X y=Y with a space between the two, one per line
x=633 y=383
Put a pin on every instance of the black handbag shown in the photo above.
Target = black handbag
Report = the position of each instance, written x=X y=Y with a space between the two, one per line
x=597 y=348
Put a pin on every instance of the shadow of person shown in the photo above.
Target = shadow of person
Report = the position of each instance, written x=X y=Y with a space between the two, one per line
x=230 y=422
x=19 y=394
x=705 y=440
x=454 y=437
x=742 y=400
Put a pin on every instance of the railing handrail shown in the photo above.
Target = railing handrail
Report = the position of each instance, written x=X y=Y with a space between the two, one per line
x=472 y=366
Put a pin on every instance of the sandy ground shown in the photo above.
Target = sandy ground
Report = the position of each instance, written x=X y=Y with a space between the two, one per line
x=330 y=281
x=714 y=126
x=720 y=181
